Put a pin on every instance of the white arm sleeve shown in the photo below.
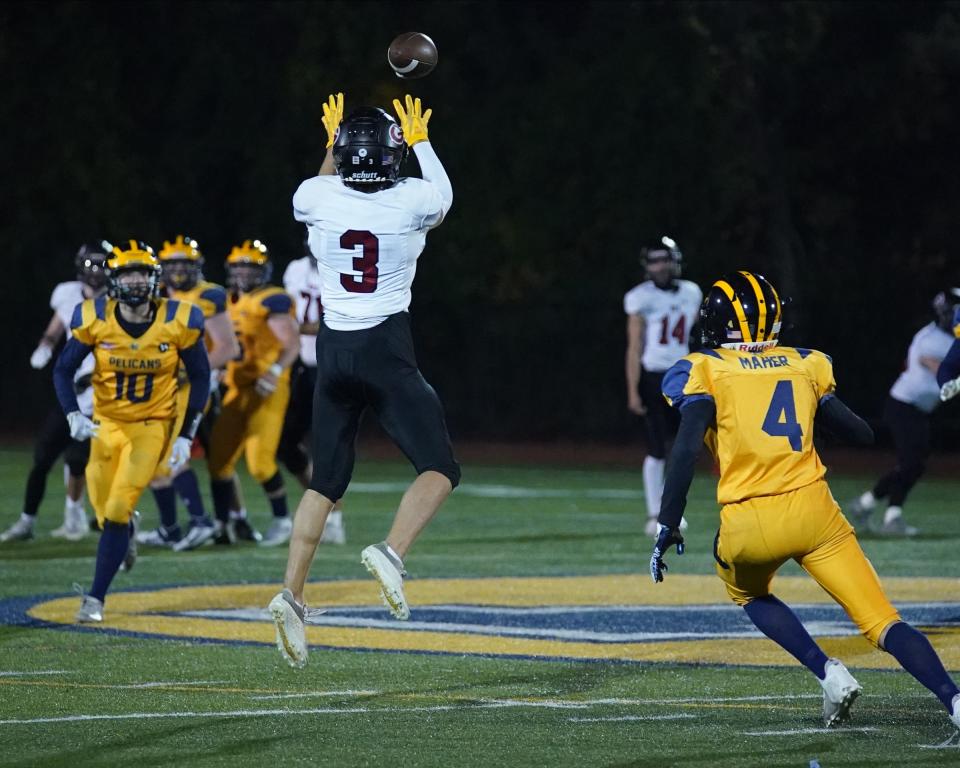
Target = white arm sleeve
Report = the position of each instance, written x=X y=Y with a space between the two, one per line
x=433 y=172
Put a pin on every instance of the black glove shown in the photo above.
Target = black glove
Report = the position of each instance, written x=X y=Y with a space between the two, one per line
x=665 y=539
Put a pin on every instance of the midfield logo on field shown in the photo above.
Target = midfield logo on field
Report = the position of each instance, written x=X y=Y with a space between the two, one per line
x=621 y=618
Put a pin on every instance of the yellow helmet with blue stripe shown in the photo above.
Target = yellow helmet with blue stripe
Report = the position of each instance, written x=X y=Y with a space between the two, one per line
x=181 y=262
x=132 y=256
x=248 y=266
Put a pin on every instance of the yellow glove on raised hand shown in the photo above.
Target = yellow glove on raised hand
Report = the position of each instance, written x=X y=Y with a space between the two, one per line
x=332 y=115
x=413 y=123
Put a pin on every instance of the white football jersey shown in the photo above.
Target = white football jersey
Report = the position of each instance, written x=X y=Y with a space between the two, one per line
x=367 y=245
x=917 y=385
x=669 y=316
x=63 y=301
x=301 y=279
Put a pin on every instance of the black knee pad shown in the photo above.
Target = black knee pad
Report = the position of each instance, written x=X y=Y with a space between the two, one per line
x=450 y=470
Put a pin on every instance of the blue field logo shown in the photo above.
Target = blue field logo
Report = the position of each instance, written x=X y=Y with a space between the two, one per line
x=595 y=618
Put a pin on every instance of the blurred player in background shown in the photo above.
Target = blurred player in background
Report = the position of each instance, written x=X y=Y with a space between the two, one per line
x=948 y=374
x=54 y=436
x=301 y=280
x=661 y=313
x=368 y=226
x=138 y=342
x=913 y=397
x=754 y=403
x=258 y=381
x=181 y=265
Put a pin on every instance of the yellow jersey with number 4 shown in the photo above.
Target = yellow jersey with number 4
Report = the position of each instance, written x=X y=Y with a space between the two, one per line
x=766 y=402
x=135 y=378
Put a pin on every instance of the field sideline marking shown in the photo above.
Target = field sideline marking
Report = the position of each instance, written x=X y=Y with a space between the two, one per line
x=630 y=718
x=310 y=694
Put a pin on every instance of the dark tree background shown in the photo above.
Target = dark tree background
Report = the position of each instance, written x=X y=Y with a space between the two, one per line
x=814 y=142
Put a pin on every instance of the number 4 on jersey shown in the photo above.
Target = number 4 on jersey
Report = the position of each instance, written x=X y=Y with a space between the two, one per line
x=781 y=418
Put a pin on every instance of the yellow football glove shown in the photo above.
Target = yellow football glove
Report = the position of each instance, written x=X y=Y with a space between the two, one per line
x=413 y=123
x=332 y=115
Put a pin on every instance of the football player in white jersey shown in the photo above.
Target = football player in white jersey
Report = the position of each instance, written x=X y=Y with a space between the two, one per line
x=301 y=279
x=367 y=228
x=913 y=397
x=54 y=436
x=661 y=312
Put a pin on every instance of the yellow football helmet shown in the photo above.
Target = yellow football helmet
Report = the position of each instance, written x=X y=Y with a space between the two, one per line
x=181 y=262
x=248 y=266
x=132 y=256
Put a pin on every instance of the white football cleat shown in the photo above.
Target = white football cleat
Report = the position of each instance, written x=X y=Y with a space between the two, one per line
x=196 y=536
x=388 y=570
x=278 y=533
x=288 y=618
x=840 y=690
x=91 y=610
x=334 y=531
x=955 y=715
x=22 y=530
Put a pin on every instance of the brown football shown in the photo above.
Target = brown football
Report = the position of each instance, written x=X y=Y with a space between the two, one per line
x=412 y=55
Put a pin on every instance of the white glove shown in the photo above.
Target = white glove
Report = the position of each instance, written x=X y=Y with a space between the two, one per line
x=950 y=389
x=180 y=453
x=81 y=427
x=41 y=356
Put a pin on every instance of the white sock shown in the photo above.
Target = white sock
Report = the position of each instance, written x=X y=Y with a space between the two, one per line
x=238 y=514
x=335 y=518
x=74 y=506
x=28 y=519
x=892 y=514
x=653 y=484
x=868 y=500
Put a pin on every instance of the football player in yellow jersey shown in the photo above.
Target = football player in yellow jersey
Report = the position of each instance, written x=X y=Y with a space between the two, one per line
x=258 y=382
x=138 y=342
x=754 y=404
x=181 y=265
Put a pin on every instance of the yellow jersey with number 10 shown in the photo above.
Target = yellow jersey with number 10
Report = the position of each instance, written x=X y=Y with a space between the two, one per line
x=135 y=378
x=766 y=403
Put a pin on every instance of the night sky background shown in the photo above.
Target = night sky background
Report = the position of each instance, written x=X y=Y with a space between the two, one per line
x=816 y=143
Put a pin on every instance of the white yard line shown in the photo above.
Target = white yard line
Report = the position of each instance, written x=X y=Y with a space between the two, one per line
x=162 y=715
x=630 y=718
x=311 y=694
x=809 y=731
x=495 y=491
x=168 y=684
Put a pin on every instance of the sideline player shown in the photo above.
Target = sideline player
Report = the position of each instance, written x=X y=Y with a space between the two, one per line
x=138 y=342
x=755 y=404
x=181 y=274
x=53 y=438
x=913 y=397
x=367 y=229
x=661 y=312
x=301 y=280
x=258 y=381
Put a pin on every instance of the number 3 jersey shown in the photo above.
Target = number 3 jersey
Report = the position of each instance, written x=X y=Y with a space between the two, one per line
x=135 y=379
x=669 y=316
x=367 y=245
x=766 y=403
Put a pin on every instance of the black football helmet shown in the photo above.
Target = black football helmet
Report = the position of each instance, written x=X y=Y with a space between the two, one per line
x=666 y=251
x=945 y=305
x=91 y=262
x=369 y=149
x=742 y=310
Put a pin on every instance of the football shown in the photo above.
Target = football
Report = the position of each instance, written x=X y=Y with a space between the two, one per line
x=412 y=55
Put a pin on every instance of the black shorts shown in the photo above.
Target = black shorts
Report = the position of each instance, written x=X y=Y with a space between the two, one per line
x=661 y=421
x=376 y=368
